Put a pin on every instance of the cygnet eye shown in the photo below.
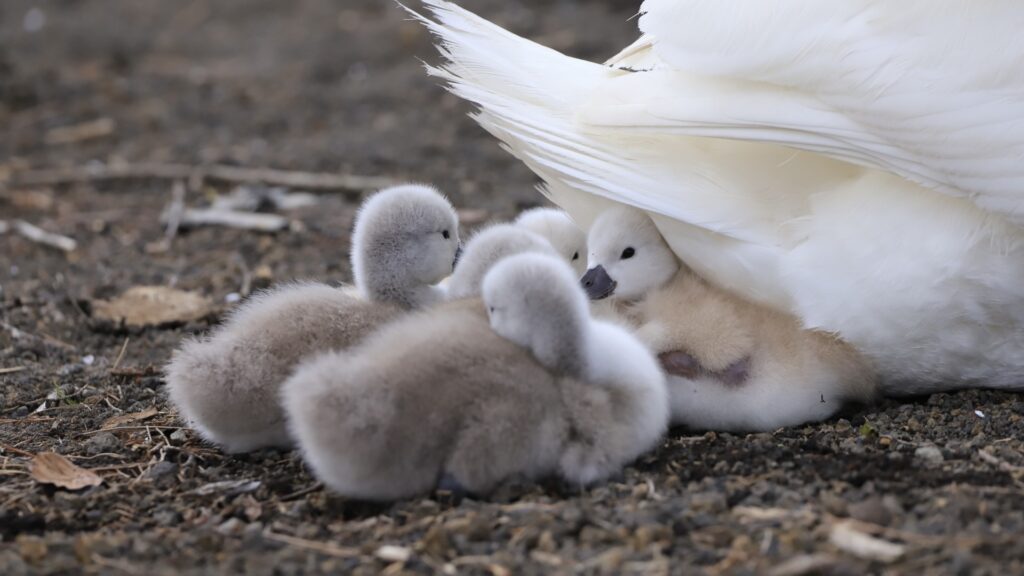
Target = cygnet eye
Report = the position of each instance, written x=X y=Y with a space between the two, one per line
x=628 y=253
x=575 y=256
x=445 y=234
x=492 y=309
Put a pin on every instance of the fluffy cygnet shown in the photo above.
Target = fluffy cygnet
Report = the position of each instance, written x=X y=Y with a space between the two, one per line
x=485 y=249
x=731 y=364
x=439 y=398
x=558 y=228
x=617 y=402
x=226 y=384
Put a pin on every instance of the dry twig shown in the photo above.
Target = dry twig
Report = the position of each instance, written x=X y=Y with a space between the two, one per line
x=322 y=547
x=220 y=172
x=172 y=217
x=120 y=355
x=233 y=219
x=40 y=236
x=90 y=130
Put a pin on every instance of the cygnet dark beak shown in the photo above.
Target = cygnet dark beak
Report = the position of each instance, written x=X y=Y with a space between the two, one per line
x=597 y=283
x=458 y=254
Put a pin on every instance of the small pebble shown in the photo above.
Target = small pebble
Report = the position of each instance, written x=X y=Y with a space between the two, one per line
x=872 y=510
x=101 y=443
x=231 y=526
x=70 y=369
x=33 y=21
x=166 y=517
x=930 y=454
x=162 y=470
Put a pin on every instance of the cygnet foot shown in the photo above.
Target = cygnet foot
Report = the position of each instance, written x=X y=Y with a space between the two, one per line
x=448 y=483
x=685 y=365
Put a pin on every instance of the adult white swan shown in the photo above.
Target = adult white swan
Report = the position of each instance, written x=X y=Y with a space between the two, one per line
x=858 y=163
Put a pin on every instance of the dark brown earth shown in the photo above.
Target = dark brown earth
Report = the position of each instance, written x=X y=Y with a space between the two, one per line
x=336 y=87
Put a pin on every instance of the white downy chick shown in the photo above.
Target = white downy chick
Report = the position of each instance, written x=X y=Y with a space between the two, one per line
x=226 y=384
x=569 y=240
x=439 y=397
x=485 y=249
x=731 y=364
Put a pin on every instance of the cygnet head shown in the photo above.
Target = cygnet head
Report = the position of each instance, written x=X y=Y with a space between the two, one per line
x=536 y=302
x=406 y=238
x=485 y=249
x=628 y=256
x=558 y=228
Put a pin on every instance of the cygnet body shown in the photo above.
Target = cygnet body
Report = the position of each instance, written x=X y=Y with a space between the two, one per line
x=440 y=396
x=731 y=364
x=485 y=249
x=226 y=384
x=558 y=228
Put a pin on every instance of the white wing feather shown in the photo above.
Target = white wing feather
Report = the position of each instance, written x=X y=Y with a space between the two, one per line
x=724 y=206
x=932 y=90
x=797 y=172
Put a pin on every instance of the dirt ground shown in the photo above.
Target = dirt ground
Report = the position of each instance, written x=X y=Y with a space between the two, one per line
x=932 y=485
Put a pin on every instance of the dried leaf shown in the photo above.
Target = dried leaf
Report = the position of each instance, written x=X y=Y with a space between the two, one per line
x=122 y=419
x=52 y=468
x=152 y=306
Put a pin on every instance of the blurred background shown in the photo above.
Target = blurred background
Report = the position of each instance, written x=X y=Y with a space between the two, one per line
x=309 y=85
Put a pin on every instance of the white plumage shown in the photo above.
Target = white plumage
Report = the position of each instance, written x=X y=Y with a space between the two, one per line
x=856 y=163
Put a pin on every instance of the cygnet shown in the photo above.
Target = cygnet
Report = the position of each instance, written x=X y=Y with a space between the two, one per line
x=226 y=384
x=569 y=240
x=439 y=398
x=732 y=364
x=485 y=249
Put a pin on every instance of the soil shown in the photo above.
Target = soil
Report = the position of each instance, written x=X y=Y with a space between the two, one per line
x=336 y=87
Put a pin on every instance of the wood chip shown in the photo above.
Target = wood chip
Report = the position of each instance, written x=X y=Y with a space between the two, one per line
x=804 y=564
x=863 y=545
x=192 y=217
x=229 y=487
x=123 y=419
x=32 y=199
x=12 y=369
x=152 y=306
x=80 y=132
x=40 y=236
x=758 y=514
x=52 y=468
x=322 y=547
x=389 y=553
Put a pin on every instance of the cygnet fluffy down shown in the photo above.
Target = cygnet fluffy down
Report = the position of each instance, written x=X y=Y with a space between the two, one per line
x=485 y=249
x=226 y=384
x=439 y=397
x=558 y=228
x=731 y=364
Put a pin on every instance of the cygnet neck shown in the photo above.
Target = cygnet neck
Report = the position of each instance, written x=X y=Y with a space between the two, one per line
x=562 y=344
x=382 y=278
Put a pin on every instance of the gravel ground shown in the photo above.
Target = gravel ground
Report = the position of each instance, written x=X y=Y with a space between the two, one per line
x=930 y=485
